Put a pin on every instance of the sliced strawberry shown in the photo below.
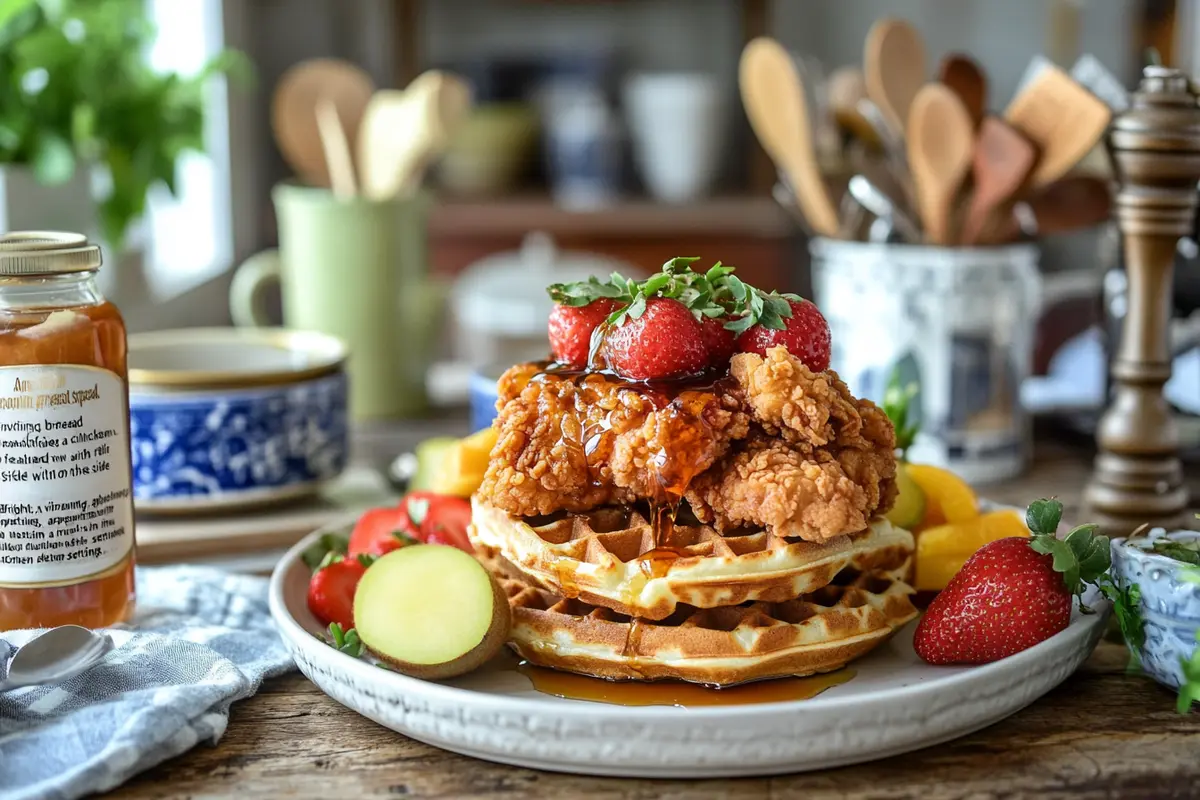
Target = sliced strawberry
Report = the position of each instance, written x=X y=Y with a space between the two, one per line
x=719 y=340
x=571 y=327
x=446 y=523
x=331 y=590
x=805 y=334
x=381 y=530
x=664 y=342
x=1013 y=593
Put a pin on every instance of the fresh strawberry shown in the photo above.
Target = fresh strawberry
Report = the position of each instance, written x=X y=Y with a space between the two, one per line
x=331 y=590
x=571 y=329
x=720 y=341
x=381 y=530
x=663 y=341
x=442 y=519
x=805 y=334
x=1013 y=593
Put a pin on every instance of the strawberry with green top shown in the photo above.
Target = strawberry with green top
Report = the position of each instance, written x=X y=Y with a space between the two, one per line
x=1013 y=593
x=679 y=322
x=571 y=329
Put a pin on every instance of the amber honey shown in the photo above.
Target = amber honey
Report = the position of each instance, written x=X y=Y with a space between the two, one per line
x=679 y=693
x=66 y=527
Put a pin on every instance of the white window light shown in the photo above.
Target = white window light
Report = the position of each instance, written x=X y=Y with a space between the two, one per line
x=188 y=239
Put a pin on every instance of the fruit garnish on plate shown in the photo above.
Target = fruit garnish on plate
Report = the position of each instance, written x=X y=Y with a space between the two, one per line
x=1013 y=592
x=339 y=562
x=453 y=466
x=679 y=322
x=431 y=612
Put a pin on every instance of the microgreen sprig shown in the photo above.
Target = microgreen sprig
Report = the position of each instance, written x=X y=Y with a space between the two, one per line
x=345 y=641
x=712 y=294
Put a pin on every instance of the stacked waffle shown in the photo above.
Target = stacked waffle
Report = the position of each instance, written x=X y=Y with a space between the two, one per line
x=603 y=581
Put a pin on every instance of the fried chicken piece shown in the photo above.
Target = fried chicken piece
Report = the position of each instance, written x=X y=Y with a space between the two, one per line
x=769 y=482
x=824 y=465
x=790 y=400
x=577 y=443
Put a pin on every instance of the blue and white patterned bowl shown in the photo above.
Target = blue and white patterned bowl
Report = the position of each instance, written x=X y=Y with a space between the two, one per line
x=225 y=419
x=1170 y=603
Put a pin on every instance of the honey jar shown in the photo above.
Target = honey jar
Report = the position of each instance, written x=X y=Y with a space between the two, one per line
x=66 y=501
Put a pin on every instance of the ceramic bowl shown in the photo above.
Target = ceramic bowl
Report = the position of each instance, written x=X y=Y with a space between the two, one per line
x=225 y=419
x=1170 y=603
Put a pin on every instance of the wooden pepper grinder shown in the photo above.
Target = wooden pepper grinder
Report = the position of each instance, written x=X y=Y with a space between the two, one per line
x=1155 y=148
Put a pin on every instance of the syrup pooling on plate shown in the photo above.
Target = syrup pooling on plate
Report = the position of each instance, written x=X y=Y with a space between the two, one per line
x=679 y=693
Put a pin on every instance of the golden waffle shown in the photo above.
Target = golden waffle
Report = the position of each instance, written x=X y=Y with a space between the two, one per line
x=608 y=558
x=819 y=632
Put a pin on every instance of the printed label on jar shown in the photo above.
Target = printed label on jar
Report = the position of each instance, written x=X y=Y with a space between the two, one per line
x=66 y=508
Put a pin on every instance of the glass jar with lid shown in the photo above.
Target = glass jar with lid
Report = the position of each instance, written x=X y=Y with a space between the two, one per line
x=66 y=502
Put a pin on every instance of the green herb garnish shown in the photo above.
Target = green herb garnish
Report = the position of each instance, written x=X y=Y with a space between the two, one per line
x=1189 y=692
x=1083 y=557
x=1126 y=602
x=712 y=294
x=345 y=641
x=319 y=553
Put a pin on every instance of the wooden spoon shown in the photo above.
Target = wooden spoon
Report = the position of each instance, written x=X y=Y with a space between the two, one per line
x=294 y=118
x=402 y=132
x=965 y=78
x=940 y=143
x=894 y=68
x=1001 y=163
x=774 y=98
x=336 y=149
x=845 y=88
x=1063 y=119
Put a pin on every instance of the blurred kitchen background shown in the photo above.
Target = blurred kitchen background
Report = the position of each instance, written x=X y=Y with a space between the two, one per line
x=599 y=135
x=604 y=134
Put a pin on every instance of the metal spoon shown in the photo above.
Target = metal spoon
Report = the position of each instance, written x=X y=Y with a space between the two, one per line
x=872 y=199
x=56 y=655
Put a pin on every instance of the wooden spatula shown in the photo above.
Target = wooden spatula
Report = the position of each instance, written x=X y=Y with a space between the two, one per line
x=966 y=79
x=774 y=98
x=1063 y=119
x=403 y=131
x=1000 y=165
x=294 y=117
x=1060 y=207
x=941 y=140
x=894 y=68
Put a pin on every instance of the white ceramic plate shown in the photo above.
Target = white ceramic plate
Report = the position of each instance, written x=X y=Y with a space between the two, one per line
x=894 y=704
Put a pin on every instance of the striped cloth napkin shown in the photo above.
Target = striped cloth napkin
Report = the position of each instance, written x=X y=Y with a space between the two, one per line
x=202 y=639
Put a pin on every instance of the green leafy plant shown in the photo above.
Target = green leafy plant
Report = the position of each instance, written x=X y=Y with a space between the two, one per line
x=897 y=398
x=76 y=91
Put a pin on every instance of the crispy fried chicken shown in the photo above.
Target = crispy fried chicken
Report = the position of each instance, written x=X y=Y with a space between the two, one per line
x=775 y=445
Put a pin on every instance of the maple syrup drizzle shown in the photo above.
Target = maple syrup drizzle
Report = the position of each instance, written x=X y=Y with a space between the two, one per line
x=678 y=693
x=686 y=430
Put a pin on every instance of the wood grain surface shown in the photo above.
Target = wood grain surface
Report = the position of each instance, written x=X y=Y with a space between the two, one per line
x=1104 y=733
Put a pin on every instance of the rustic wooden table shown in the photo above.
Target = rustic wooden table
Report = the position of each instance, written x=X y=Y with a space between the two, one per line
x=1103 y=733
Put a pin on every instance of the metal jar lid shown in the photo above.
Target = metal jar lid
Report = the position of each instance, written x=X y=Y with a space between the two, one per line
x=47 y=253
